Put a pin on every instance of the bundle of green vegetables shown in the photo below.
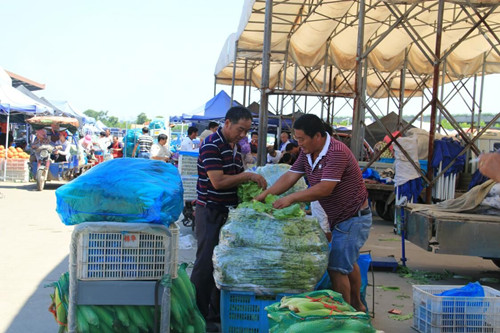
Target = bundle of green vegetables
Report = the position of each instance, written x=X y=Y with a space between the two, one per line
x=317 y=311
x=269 y=250
x=271 y=172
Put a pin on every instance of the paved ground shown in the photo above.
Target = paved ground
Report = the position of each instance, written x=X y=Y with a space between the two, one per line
x=35 y=245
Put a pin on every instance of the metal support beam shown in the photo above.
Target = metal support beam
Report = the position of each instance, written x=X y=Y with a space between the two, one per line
x=266 y=59
x=434 y=104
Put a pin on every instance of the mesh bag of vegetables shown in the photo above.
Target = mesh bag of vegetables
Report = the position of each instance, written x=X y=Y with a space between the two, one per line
x=284 y=252
x=271 y=172
x=123 y=190
x=316 y=311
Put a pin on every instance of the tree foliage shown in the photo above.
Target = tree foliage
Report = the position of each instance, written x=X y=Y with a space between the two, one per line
x=142 y=118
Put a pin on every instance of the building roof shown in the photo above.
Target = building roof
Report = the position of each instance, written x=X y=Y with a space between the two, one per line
x=31 y=85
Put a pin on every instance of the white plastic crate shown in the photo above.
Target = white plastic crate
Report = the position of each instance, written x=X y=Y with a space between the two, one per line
x=188 y=165
x=433 y=314
x=189 y=185
x=124 y=251
x=21 y=176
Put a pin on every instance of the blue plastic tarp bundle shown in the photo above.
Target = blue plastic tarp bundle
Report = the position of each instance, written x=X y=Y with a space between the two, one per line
x=123 y=190
x=445 y=150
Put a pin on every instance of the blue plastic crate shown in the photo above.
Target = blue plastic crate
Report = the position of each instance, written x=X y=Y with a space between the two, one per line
x=244 y=311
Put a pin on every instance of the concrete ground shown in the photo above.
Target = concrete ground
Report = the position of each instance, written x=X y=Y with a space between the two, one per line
x=34 y=244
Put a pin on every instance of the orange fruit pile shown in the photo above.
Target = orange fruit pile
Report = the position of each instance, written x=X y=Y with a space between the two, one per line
x=13 y=152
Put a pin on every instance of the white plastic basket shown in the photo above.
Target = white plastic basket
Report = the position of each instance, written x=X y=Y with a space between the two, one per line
x=189 y=185
x=188 y=165
x=124 y=251
x=432 y=314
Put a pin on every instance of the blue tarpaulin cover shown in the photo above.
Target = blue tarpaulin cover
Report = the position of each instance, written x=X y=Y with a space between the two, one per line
x=123 y=190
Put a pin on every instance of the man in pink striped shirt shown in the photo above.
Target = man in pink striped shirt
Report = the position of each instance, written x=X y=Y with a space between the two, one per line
x=336 y=181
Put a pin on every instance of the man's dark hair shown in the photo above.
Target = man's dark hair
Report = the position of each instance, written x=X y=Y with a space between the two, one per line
x=236 y=113
x=212 y=124
x=145 y=130
x=162 y=137
x=286 y=158
x=310 y=124
x=192 y=130
x=290 y=146
x=102 y=133
x=254 y=133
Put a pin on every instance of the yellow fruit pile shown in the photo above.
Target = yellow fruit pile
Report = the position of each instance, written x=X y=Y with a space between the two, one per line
x=13 y=152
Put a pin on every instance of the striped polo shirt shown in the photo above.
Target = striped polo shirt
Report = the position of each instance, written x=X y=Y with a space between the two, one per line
x=145 y=142
x=335 y=163
x=217 y=154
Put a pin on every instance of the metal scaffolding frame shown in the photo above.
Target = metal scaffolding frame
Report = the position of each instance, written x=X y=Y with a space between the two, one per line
x=300 y=82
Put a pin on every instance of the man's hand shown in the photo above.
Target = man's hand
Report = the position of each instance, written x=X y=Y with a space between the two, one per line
x=260 y=180
x=283 y=202
x=328 y=236
x=489 y=165
x=261 y=197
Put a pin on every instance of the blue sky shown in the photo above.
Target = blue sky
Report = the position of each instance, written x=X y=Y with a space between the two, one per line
x=124 y=57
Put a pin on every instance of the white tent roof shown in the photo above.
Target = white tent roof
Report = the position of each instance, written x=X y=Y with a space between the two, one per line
x=318 y=33
x=13 y=97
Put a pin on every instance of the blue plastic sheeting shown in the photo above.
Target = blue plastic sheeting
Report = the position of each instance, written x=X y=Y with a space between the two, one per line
x=371 y=174
x=411 y=189
x=445 y=151
x=123 y=190
x=472 y=289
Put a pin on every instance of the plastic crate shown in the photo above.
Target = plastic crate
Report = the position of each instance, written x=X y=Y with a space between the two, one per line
x=188 y=165
x=189 y=185
x=124 y=251
x=21 y=176
x=244 y=311
x=455 y=314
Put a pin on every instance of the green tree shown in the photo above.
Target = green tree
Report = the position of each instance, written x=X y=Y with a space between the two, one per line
x=142 y=118
x=97 y=115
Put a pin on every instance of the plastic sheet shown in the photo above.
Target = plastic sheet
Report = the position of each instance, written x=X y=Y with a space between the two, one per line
x=272 y=172
x=276 y=256
x=123 y=190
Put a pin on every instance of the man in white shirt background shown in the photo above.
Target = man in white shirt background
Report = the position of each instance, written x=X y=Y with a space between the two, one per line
x=159 y=151
x=285 y=140
x=187 y=143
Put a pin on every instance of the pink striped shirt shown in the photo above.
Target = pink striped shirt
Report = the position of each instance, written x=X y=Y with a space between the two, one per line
x=335 y=163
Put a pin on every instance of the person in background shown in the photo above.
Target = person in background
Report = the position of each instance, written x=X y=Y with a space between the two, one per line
x=159 y=151
x=109 y=138
x=53 y=133
x=62 y=151
x=187 y=143
x=489 y=165
x=336 y=182
x=116 y=148
x=220 y=171
x=285 y=140
x=103 y=142
x=273 y=155
x=293 y=149
x=254 y=140
x=212 y=128
x=144 y=143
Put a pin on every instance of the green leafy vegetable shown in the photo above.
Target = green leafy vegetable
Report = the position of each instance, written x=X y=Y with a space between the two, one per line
x=249 y=190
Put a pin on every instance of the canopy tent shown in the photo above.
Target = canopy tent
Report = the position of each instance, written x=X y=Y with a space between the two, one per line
x=40 y=100
x=314 y=44
x=100 y=125
x=215 y=109
x=70 y=111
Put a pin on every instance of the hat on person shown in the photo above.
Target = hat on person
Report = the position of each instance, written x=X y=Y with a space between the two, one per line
x=88 y=139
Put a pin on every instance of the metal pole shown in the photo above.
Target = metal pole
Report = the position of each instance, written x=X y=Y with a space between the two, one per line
x=358 y=109
x=435 y=87
x=234 y=71
x=264 y=87
x=245 y=84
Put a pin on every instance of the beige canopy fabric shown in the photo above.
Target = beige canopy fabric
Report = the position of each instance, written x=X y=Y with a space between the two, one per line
x=319 y=36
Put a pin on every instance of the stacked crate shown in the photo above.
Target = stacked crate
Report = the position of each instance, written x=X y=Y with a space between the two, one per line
x=122 y=264
x=17 y=170
x=188 y=168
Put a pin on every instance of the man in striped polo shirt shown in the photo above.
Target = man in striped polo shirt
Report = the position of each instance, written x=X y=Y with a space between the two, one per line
x=337 y=183
x=144 y=143
x=220 y=171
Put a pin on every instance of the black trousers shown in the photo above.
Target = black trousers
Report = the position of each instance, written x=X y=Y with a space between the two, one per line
x=209 y=221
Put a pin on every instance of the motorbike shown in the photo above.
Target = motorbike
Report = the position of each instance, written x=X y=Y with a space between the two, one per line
x=43 y=165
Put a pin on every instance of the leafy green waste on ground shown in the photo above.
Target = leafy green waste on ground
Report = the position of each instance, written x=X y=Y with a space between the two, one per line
x=389 y=288
x=422 y=276
x=401 y=317
x=402 y=296
x=389 y=239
